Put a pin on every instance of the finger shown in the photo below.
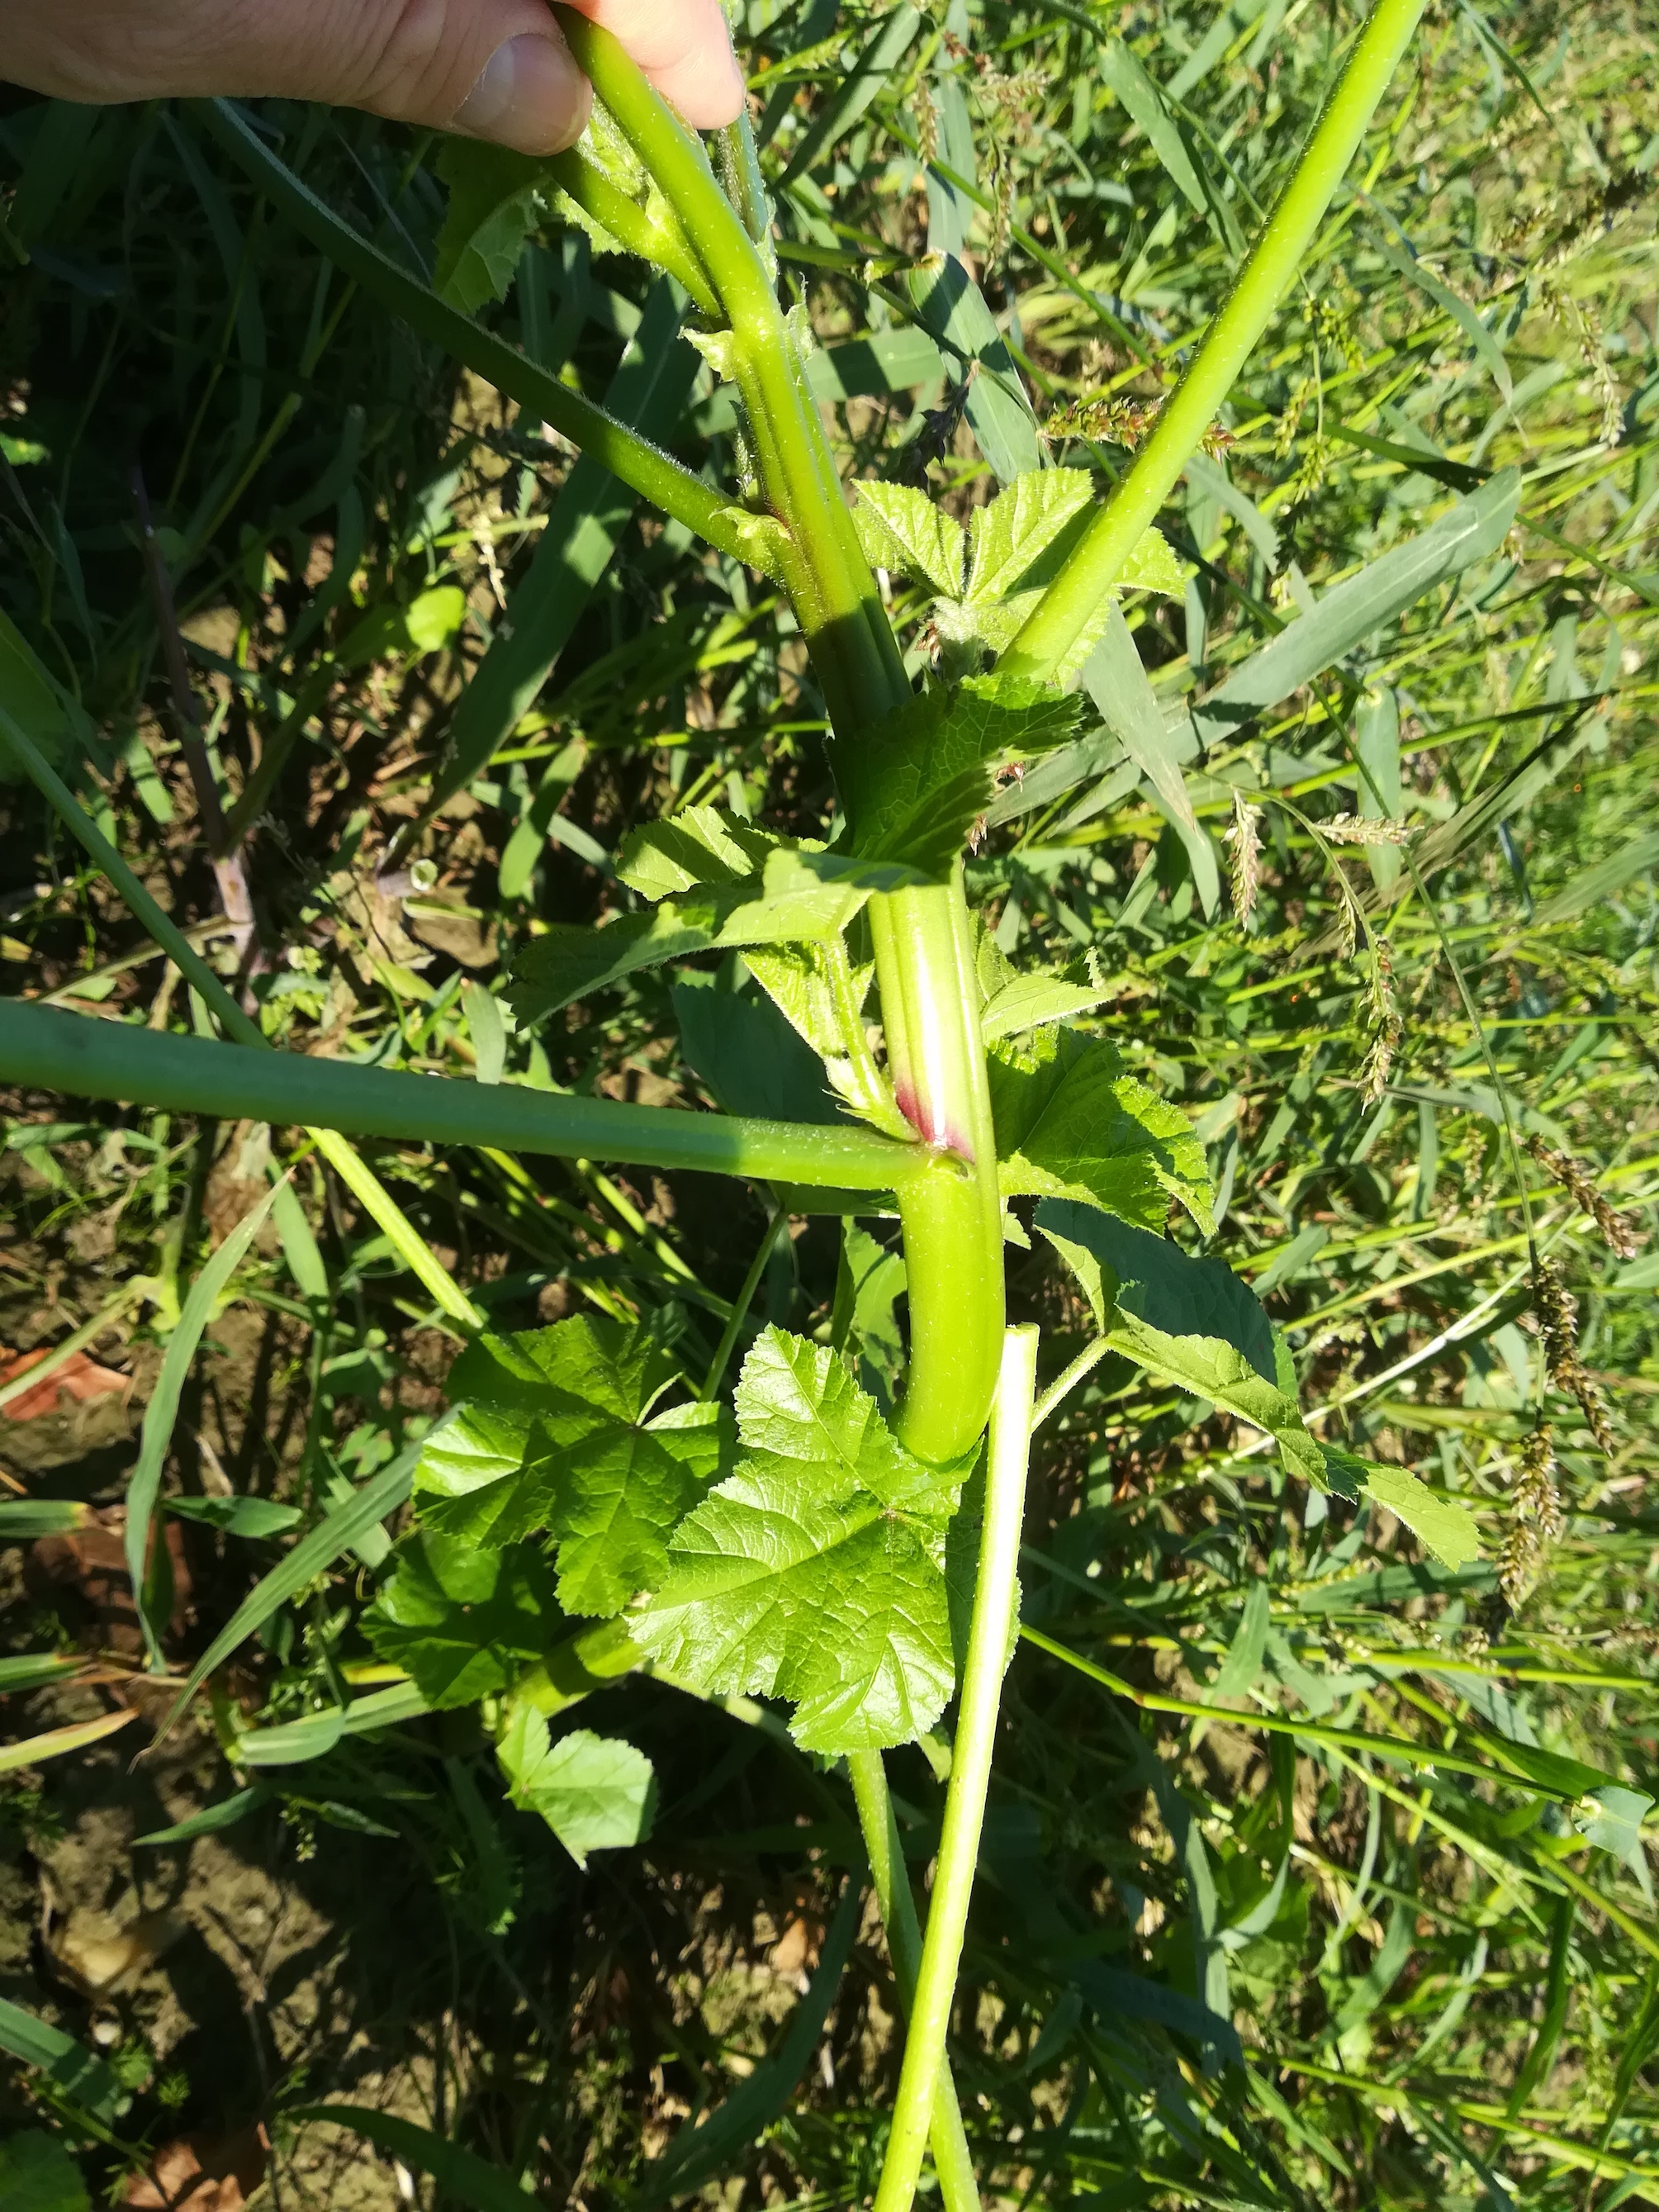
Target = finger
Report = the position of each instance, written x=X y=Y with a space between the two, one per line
x=495 y=69
x=684 y=48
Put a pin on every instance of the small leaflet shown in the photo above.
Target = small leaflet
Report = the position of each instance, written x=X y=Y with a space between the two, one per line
x=596 y=1793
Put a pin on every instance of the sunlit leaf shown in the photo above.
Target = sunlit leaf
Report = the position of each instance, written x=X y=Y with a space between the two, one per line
x=816 y=1573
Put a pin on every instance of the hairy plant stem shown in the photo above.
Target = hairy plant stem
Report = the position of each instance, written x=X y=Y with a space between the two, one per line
x=1066 y=609
x=946 y=2137
x=923 y=943
x=988 y=1645
x=18 y=1022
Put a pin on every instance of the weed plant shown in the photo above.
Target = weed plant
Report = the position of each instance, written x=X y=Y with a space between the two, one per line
x=1293 y=950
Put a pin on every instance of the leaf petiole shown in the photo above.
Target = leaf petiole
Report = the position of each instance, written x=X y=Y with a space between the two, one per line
x=1063 y=613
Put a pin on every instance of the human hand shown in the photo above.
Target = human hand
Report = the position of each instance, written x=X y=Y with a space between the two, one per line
x=494 y=69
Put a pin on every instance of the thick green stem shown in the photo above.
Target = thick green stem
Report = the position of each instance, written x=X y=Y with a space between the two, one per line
x=946 y=2139
x=1064 y=612
x=988 y=1643
x=87 y=1058
x=924 y=954
x=953 y=1231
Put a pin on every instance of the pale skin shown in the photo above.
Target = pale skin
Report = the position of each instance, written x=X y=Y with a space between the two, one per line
x=493 y=68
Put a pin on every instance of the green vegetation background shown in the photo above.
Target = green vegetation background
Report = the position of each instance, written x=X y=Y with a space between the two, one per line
x=1207 y=1966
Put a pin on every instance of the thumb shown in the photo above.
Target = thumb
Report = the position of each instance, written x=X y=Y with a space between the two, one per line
x=496 y=69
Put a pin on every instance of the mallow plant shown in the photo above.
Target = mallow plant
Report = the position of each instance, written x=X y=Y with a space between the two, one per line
x=588 y=1508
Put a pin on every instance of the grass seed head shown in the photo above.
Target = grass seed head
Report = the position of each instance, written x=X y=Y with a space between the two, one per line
x=1619 y=1232
x=1356 y=829
x=1387 y=1028
x=1245 y=838
x=1557 y=1324
x=1536 y=1518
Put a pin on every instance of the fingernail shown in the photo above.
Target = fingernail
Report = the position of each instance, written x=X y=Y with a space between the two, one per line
x=532 y=97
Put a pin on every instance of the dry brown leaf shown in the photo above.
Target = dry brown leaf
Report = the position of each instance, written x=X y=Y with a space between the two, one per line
x=79 y=1377
x=201 y=2173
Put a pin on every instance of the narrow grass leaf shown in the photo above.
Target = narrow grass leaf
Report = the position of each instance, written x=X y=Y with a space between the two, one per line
x=460 y=2174
x=1117 y=681
x=68 y=2065
x=162 y=1410
x=212 y=1819
x=1352 y=610
x=56 y=1742
x=312 y=1556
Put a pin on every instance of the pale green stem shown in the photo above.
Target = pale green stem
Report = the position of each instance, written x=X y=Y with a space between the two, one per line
x=1063 y=1384
x=835 y=594
x=988 y=1643
x=629 y=225
x=952 y=1230
x=1066 y=609
x=88 y=1058
x=947 y=2139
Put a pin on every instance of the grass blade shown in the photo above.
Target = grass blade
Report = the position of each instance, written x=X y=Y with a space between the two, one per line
x=312 y=1556
x=68 y=2065
x=458 y=2172
x=56 y=1741
x=162 y=1410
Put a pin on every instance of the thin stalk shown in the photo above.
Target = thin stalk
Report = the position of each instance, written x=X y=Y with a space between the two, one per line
x=745 y=1298
x=1065 y=609
x=630 y=226
x=632 y=459
x=988 y=1641
x=946 y=2138
x=1063 y=1384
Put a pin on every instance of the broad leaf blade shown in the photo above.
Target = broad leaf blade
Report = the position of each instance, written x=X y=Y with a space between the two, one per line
x=900 y=528
x=1071 y=1122
x=816 y=1573
x=1209 y=1366
x=493 y=207
x=553 y=1435
x=1012 y=532
x=461 y=1620
x=914 y=785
